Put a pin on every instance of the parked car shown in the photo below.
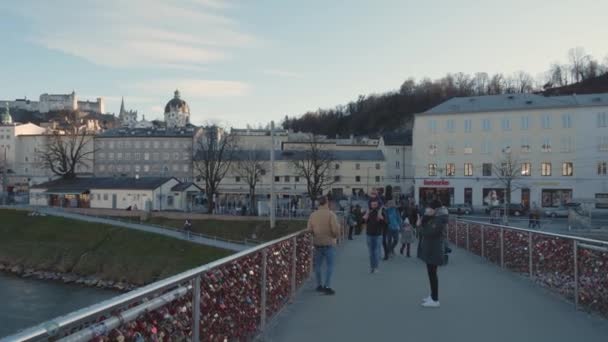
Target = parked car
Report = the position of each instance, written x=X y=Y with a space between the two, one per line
x=561 y=211
x=460 y=209
x=515 y=209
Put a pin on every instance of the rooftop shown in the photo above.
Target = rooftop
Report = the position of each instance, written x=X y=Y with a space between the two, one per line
x=509 y=102
x=353 y=155
x=188 y=131
x=144 y=183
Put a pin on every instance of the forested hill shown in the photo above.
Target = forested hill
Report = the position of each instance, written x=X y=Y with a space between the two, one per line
x=377 y=114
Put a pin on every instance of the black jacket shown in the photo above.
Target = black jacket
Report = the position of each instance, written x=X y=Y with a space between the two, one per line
x=376 y=227
x=433 y=232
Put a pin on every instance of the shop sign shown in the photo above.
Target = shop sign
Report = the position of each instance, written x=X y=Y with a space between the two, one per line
x=442 y=182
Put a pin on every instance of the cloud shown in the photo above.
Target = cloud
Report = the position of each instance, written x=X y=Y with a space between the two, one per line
x=193 y=88
x=138 y=33
x=282 y=73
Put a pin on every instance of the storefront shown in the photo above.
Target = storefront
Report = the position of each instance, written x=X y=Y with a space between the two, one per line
x=436 y=189
x=493 y=196
x=555 y=197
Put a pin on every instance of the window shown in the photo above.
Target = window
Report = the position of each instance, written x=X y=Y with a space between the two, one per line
x=277 y=178
x=433 y=149
x=176 y=144
x=566 y=144
x=337 y=166
x=486 y=125
x=119 y=156
x=127 y=144
x=397 y=164
x=166 y=144
x=525 y=145
x=451 y=149
x=119 y=168
x=567 y=169
x=119 y=145
x=101 y=145
x=102 y=168
x=105 y=197
x=296 y=179
x=546 y=121
x=102 y=156
x=468 y=169
x=156 y=144
x=146 y=144
x=486 y=169
x=486 y=147
x=450 y=169
x=397 y=151
x=357 y=166
x=146 y=156
x=286 y=179
x=432 y=169
x=449 y=125
x=432 y=126
x=263 y=172
x=175 y=155
x=545 y=169
x=357 y=179
x=237 y=179
x=137 y=168
x=566 y=121
x=377 y=179
x=137 y=144
x=156 y=156
x=525 y=123
x=377 y=166
x=185 y=156
x=603 y=144
x=601 y=168
x=127 y=155
x=602 y=119
x=146 y=168
x=175 y=167
x=468 y=125
x=546 y=146
x=26 y=159
x=137 y=156
x=506 y=124
x=336 y=178
x=526 y=169
x=186 y=168
x=170 y=200
x=166 y=156
x=468 y=149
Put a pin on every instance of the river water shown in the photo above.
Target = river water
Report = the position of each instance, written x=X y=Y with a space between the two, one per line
x=28 y=302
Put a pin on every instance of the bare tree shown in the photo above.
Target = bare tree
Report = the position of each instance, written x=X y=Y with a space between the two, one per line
x=68 y=148
x=250 y=165
x=213 y=157
x=496 y=85
x=481 y=82
x=578 y=58
x=525 y=82
x=316 y=166
x=508 y=171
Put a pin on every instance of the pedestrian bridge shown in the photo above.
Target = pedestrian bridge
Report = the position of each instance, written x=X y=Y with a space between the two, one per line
x=501 y=284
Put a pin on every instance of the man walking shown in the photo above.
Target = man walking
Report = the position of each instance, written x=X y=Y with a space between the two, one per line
x=323 y=224
x=376 y=228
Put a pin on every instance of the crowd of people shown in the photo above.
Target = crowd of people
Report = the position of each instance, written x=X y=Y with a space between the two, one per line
x=387 y=224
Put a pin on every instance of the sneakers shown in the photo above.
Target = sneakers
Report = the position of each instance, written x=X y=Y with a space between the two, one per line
x=329 y=291
x=374 y=271
x=431 y=304
x=320 y=288
x=427 y=299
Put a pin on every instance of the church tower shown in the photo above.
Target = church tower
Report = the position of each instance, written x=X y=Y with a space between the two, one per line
x=127 y=118
x=177 y=112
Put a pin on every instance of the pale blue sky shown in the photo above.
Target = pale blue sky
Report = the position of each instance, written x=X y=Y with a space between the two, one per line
x=239 y=62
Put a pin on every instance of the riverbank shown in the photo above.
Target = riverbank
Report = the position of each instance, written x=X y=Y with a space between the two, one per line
x=99 y=255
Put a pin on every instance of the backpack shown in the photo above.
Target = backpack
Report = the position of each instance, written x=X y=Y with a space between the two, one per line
x=394 y=220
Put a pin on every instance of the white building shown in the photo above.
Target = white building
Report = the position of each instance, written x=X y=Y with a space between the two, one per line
x=397 y=149
x=560 y=143
x=56 y=102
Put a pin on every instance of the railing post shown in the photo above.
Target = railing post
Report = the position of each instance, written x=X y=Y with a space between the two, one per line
x=263 y=289
x=575 y=247
x=294 y=256
x=502 y=247
x=530 y=255
x=196 y=308
x=468 y=226
x=483 y=247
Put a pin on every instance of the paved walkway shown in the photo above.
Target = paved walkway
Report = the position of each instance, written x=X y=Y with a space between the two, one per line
x=480 y=302
x=149 y=229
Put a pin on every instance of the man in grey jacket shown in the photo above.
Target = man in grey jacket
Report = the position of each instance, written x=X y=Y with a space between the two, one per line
x=432 y=247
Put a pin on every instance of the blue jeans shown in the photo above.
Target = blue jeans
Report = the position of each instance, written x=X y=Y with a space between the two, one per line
x=328 y=254
x=373 y=245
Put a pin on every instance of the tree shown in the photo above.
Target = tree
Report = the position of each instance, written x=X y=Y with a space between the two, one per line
x=508 y=170
x=250 y=165
x=67 y=148
x=578 y=60
x=214 y=154
x=316 y=165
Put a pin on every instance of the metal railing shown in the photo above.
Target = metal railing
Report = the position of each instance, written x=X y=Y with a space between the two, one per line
x=575 y=267
x=233 y=298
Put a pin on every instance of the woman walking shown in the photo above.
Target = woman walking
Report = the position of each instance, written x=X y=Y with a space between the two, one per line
x=407 y=236
x=432 y=247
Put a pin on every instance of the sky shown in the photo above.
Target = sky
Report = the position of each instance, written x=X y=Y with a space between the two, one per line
x=252 y=61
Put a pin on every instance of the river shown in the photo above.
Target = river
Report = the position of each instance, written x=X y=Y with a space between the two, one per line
x=28 y=302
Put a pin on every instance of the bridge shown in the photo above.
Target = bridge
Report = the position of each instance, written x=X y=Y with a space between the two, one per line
x=501 y=284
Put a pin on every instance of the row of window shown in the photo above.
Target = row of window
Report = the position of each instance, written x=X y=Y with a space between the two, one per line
x=145 y=144
x=487 y=169
x=506 y=123
x=141 y=168
x=145 y=156
x=566 y=146
x=287 y=179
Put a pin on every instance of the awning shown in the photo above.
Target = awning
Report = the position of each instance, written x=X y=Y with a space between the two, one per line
x=66 y=191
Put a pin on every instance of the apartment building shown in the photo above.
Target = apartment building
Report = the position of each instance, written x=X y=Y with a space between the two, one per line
x=560 y=145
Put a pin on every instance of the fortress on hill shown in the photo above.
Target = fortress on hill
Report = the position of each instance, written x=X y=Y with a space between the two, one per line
x=56 y=102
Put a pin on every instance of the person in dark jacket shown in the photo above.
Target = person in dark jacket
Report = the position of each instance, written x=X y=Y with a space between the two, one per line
x=432 y=247
x=376 y=228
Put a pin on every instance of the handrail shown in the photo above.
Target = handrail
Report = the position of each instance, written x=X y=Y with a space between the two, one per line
x=48 y=328
x=563 y=236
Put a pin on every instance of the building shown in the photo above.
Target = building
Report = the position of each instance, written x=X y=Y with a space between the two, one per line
x=560 y=145
x=57 y=102
x=149 y=193
x=397 y=149
x=177 y=112
x=259 y=139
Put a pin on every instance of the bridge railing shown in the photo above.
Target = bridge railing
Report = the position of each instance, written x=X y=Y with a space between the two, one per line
x=574 y=267
x=230 y=299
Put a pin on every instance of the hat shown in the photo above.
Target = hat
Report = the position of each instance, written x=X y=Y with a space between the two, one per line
x=435 y=204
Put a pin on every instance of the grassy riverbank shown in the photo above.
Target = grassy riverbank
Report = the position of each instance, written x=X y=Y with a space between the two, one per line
x=107 y=252
x=236 y=230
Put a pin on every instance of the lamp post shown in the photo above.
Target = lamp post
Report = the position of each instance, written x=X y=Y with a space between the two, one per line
x=272 y=199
